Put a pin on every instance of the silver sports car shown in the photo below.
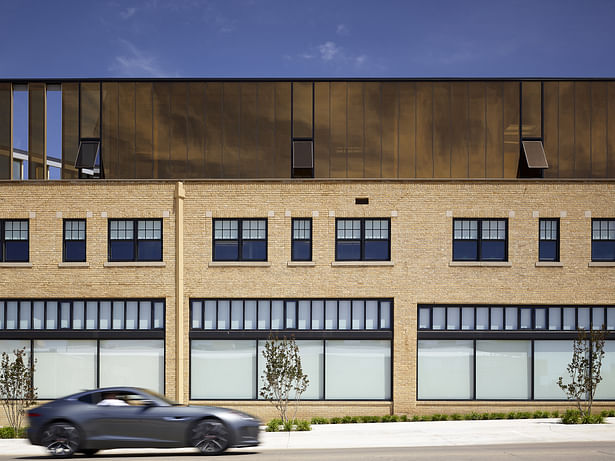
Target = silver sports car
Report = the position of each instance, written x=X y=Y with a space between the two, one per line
x=127 y=417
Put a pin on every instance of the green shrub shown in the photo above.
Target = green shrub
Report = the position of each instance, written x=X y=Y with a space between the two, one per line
x=523 y=415
x=540 y=414
x=425 y=418
x=611 y=413
x=592 y=419
x=335 y=420
x=346 y=420
x=389 y=418
x=555 y=414
x=274 y=425
x=455 y=416
x=484 y=416
x=416 y=418
x=571 y=417
x=438 y=417
x=319 y=420
x=288 y=425
x=303 y=425
x=511 y=415
x=403 y=418
x=497 y=416
x=8 y=432
x=369 y=419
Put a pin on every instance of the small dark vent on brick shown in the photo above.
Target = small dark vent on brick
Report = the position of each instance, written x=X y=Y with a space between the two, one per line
x=361 y=201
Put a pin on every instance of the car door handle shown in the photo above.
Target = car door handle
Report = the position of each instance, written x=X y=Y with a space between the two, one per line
x=175 y=418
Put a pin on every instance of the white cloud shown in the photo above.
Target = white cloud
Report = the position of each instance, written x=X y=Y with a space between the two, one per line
x=136 y=63
x=328 y=51
x=127 y=13
x=342 y=29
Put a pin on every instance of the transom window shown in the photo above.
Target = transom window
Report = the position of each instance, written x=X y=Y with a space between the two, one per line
x=240 y=240
x=135 y=240
x=362 y=239
x=603 y=239
x=291 y=314
x=302 y=239
x=480 y=240
x=14 y=241
x=74 y=240
x=548 y=242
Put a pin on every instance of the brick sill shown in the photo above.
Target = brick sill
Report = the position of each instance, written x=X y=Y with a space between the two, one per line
x=135 y=264
x=362 y=263
x=480 y=264
x=239 y=264
x=15 y=264
x=74 y=264
x=549 y=264
x=300 y=263
x=601 y=264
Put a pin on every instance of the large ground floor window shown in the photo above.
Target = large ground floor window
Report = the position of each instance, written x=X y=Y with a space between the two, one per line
x=338 y=369
x=501 y=369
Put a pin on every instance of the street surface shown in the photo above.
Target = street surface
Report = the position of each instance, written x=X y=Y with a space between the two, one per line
x=530 y=452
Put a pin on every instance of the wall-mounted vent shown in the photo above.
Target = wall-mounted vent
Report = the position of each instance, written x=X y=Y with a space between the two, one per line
x=361 y=201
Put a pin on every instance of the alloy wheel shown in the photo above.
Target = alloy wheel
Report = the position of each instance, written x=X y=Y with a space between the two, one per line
x=61 y=439
x=210 y=436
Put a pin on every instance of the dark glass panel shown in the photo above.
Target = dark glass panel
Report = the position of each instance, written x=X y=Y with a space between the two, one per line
x=321 y=129
x=598 y=142
x=566 y=129
x=390 y=130
x=121 y=250
x=377 y=250
x=550 y=129
x=355 y=136
x=143 y=130
x=495 y=133
x=16 y=251
x=531 y=96
x=582 y=127
x=603 y=250
x=36 y=130
x=547 y=250
x=511 y=128
x=266 y=129
x=465 y=250
x=162 y=117
x=493 y=250
x=254 y=250
x=301 y=251
x=213 y=130
x=406 y=129
x=424 y=130
x=88 y=154
x=611 y=130
x=476 y=130
x=249 y=164
x=442 y=128
x=338 y=130
x=196 y=130
x=109 y=142
x=282 y=129
x=348 y=251
x=459 y=130
x=179 y=129
x=302 y=109
x=74 y=250
x=373 y=130
x=126 y=130
x=230 y=131
x=90 y=110
x=149 y=250
x=5 y=132
x=226 y=251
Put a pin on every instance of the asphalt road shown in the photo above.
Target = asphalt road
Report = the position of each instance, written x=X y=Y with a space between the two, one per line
x=542 y=452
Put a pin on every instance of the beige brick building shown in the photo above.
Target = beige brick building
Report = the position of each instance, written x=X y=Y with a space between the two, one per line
x=446 y=282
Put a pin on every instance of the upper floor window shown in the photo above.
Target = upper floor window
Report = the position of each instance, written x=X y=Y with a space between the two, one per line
x=135 y=240
x=548 y=241
x=74 y=240
x=302 y=239
x=603 y=239
x=14 y=241
x=362 y=240
x=480 y=240
x=240 y=240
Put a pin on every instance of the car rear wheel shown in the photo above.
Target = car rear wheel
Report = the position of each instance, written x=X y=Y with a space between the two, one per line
x=61 y=439
x=210 y=436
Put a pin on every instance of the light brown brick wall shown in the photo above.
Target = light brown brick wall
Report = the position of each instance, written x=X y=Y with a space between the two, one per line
x=421 y=247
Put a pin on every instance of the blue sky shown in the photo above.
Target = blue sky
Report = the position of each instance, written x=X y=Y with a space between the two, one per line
x=309 y=38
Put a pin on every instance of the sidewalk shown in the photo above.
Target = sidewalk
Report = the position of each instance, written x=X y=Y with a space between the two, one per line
x=414 y=434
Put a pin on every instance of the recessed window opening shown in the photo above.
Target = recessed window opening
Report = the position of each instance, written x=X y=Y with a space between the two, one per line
x=54 y=131
x=20 y=131
x=548 y=241
x=303 y=159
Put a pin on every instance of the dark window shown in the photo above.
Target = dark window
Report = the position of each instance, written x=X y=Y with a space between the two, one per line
x=480 y=240
x=548 y=241
x=135 y=240
x=303 y=158
x=74 y=240
x=87 y=156
x=14 y=241
x=362 y=240
x=603 y=239
x=240 y=240
x=302 y=239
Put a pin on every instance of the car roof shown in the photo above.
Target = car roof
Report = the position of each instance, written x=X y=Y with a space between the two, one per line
x=105 y=389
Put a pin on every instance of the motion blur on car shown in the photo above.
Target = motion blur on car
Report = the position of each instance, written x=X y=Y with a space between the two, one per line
x=127 y=417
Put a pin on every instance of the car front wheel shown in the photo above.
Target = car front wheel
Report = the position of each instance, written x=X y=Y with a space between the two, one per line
x=61 y=439
x=210 y=436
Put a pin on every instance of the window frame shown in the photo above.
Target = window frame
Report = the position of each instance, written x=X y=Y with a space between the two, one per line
x=64 y=240
x=3 y=241
x=479 y=239
x=309 y=240
x=239 y=239
x=362 y=239
x=557 y=239
x=607 y=220
x=135 y=239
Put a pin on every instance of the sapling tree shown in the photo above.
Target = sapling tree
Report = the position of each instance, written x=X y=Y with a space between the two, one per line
x=283 y=377
x=584 y=370
x=17 y=392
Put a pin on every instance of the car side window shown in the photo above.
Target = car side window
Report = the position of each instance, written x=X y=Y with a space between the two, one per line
x=92 y=399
